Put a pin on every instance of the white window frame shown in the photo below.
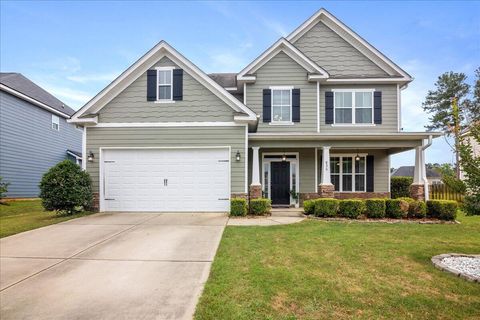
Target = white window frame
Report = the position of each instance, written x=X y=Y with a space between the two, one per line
x=55 y=121
x=159 y=84
x=353 y=91
x=277 y=88
x=353 y=174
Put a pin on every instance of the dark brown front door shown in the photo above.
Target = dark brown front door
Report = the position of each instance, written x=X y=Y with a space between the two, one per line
x=280 y=184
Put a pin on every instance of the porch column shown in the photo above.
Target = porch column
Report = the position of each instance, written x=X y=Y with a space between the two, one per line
x=326 y=188
x=419 y=187
x=256 y=186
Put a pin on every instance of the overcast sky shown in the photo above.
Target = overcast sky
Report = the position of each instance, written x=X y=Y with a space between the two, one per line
x=74 y=49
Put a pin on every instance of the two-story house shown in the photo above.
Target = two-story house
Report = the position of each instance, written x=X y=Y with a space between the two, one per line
x=34 y=134
x=316 y=115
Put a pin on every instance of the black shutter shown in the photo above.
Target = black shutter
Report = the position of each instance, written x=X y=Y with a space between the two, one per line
x=370 y=173
x=177 y=84
x=151 y=85
x=328 y=107
x=377 y=107
x=267 y=105
x=296 y=105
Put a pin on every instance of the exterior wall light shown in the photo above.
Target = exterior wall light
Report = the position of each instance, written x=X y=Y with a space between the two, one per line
x=238 y=156
x=91 y=156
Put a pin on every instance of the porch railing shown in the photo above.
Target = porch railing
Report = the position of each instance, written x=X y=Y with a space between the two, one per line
x=443 y=192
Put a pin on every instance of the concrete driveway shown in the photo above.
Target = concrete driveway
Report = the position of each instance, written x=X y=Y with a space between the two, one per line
x=109 y=266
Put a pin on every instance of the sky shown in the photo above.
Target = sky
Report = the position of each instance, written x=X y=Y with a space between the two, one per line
x=73 y=49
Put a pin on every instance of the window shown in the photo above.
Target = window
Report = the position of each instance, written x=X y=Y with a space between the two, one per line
x=348 y=174
x=164 y=80
x=281 y=105
x=266 y=167
x=55 y=122
x=353 y=107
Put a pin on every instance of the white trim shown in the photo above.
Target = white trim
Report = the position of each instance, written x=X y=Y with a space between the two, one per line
x=101 y=169
x=354 y=107
x=316 y=170
x=279 y=159
x=55 y=121
x=331 y=21
x=167 y=124
x=84 y=149
x=389 y=174
x=354 y=90
x=170 y=68
x=353 y=125
x=282 y=122
x=245 y=93
x=230 y=88
x=246 y=158
x=282 y=45
x=353 y=174
x=143 y=64
x=363 y=80
x=93 y=120
x=399 y=109
x=74 y=155
x=164 y=101
x=281 y=87
x=31 y=100
x=318 y=106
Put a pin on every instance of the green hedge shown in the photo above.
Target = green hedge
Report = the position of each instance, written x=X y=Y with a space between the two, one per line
x=407 y=199
x=238 y=207
x=309 y=207
x=396 y=208
x=260 y=206
x=351 y=208
x=326 y=207
x=471 y=204
x=417 y=209
x=400 y=186
x=375 y=208
x=442 y=209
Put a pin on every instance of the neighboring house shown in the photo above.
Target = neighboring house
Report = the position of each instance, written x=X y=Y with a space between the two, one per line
x=318 y=114
x=34 y=134
x=433 y=176
x=475 y=147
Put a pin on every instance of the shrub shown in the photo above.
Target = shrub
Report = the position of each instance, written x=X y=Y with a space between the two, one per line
x=417 y=209
x=400 y=186
x=375 y=208
x=326 y=207
x=238 y=207
x=471 y=204
x=351 y=208
x=406 y=199
x=260 y=206
x=66 y=188
x=3 y=188
x=309 y=207
x=442 y=209
x=396 y=208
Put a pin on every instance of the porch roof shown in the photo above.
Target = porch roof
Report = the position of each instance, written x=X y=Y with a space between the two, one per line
x=308 y=136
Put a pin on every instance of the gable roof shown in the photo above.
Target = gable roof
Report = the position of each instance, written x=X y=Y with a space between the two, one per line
x=407 y=171
x=142 y=65
x=21 y=87
x=282 y=45
x=352 y=38
x=226 y=80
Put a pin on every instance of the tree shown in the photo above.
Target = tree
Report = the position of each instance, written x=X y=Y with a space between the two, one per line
x=474 y=104
x=470 y=164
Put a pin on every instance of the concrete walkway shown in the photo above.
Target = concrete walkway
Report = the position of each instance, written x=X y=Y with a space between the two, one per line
x=278 y=217
x=109 y=266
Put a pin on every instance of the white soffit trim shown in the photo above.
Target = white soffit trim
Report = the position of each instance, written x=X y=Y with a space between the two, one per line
x=351 y=37
x=282 y=45
x=33 y=101
x=93 y=120
x=143 y=64
x=167 y=124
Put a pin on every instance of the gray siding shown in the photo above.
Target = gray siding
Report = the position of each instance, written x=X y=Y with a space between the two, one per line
x=29 y=146
x=335 y=55
x=198 y=104
x=170 y=137
x=281 y=70
x=389 y=110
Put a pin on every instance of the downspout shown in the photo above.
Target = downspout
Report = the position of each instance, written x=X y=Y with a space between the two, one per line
x=425 y=181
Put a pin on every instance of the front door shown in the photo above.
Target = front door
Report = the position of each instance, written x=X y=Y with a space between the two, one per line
x=280 y=184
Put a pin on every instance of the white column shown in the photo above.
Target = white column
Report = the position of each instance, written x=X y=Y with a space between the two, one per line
x=325 y=177
x=255 y=168
x=419 y=170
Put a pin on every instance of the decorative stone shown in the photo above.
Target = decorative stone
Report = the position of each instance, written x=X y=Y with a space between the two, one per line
x=417 y=192
x=255 y=191
x=462 y=265
x=326 y=190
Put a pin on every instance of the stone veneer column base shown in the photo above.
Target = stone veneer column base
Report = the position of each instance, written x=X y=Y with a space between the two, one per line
x=417 y=192
x=255 y=191
x=326 y=190
x=96 y=202
x=242 y=195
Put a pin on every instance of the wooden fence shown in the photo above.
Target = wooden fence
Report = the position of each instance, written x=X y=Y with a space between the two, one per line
x=442 y=192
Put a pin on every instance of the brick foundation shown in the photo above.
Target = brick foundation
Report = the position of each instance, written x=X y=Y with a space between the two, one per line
x=307 y=196
x=242 y=195
x=417 y=192
x=96 y=202
x=325 y=190
x=255 y=191
x=361 y=195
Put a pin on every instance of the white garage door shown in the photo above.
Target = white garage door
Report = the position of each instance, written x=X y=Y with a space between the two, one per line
x=166 y=179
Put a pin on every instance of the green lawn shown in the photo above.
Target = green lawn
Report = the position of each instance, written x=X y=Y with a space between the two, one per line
x=341 y=270
x=19 y=216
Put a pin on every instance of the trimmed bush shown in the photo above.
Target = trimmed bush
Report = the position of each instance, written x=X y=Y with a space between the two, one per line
x=400 y=186
x=326 y=207
x=396 y=208
x=3 y=188
x=417 y=209
x=351 y=208
x=66 y=188
x=309 y=207
x=238 y=207
x=407 y=199
x=471 y=204
x=375 y=208
x=260 y=206
x=442 y=209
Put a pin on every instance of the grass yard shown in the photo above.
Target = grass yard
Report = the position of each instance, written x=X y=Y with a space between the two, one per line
x=341 y=270
x=24 y=215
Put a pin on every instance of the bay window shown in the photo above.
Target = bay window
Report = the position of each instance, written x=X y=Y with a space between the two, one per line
x=353 y=106
x=347 y=173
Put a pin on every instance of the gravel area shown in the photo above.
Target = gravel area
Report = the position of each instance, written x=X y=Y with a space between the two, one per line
x=463 y=265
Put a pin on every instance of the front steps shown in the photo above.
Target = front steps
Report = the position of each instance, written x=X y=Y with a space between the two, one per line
x=287 y=212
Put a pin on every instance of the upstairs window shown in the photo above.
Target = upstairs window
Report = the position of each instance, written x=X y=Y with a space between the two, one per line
x=55 y=122
x=353 y=106
x=164 y=84
x=281 y=105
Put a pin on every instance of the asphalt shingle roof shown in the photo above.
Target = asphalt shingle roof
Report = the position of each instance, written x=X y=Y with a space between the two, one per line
x=407 y=171
x=226 y=80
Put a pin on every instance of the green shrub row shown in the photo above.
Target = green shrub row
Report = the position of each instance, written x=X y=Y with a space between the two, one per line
x=400 y=186
x=239 y=206
x=400 y=208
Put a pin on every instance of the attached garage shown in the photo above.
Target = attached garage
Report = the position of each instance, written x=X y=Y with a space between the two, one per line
x=165 y=179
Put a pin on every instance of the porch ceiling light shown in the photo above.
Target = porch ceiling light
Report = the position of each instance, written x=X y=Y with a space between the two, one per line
x=238 y=156
x=357 y=157
x=284 y=157
x=91 y=156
